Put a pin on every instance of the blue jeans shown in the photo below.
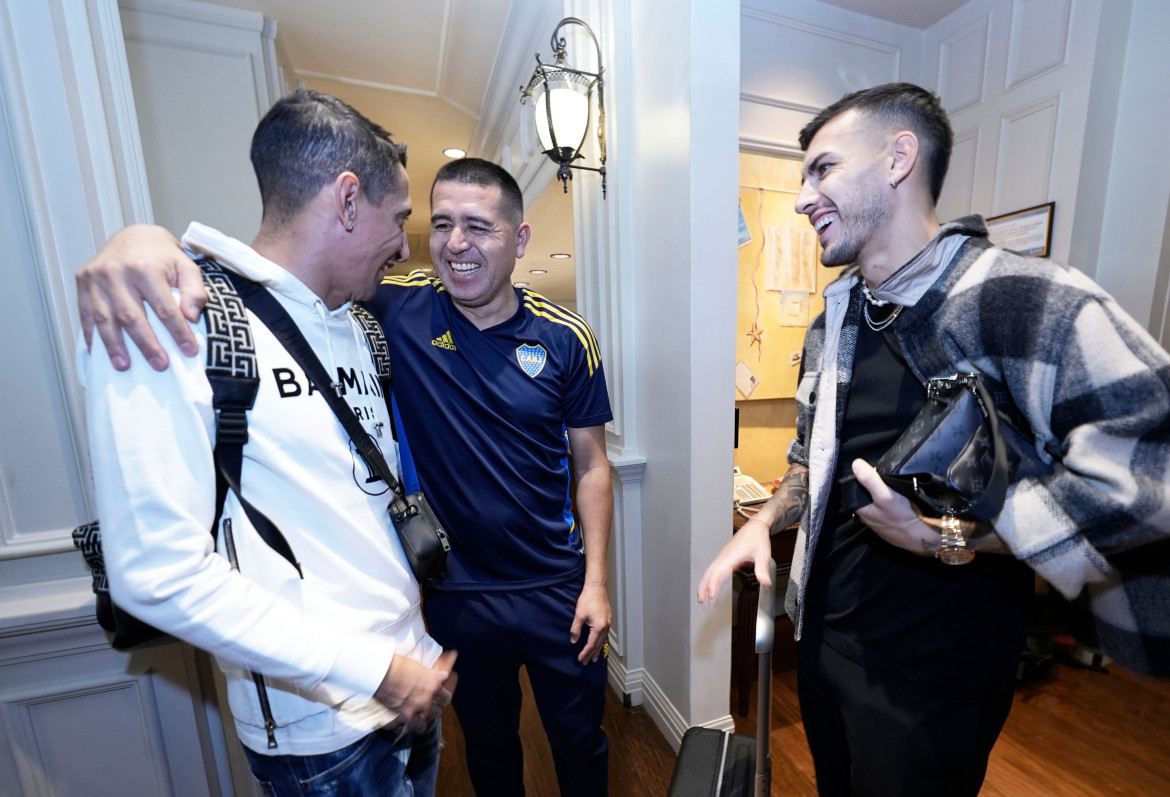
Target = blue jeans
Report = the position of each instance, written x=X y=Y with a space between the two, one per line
x=387 y=763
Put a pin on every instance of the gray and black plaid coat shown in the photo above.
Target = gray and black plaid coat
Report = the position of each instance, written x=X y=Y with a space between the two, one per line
x=1093 y=386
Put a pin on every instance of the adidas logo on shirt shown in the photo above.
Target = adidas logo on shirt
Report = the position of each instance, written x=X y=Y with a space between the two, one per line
x=444 y=341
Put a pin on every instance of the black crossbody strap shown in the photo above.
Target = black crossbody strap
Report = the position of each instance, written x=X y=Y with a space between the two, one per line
x=265 y=306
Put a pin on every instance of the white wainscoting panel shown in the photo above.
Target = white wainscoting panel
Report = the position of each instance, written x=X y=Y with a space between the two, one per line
x=785 y=77
x=783 y=57
x=962 y=63
x=772 y=125
x=1038 y=41
x=626 y=581
x=1024 y=166
x=957 y=197
x=80 y=719
x=201 y=84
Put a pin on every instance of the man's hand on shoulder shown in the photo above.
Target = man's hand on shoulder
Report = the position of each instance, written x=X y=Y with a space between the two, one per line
x=140 y=264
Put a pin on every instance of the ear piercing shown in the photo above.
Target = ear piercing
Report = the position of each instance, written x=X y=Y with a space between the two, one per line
x=349 y=226
x=893 y=182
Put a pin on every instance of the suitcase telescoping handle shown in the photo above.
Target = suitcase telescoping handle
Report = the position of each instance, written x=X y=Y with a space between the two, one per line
x=765 y=639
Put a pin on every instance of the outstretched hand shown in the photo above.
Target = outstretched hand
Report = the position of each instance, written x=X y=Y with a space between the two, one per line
x=140 y=264
x=752 y=544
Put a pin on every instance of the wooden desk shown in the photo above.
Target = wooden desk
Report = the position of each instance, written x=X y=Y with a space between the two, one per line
x=743 y=653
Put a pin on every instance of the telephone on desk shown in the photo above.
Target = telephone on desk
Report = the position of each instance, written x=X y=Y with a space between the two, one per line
x=747 y=491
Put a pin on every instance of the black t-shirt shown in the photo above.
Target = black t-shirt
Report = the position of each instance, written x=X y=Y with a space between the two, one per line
x=903 y=616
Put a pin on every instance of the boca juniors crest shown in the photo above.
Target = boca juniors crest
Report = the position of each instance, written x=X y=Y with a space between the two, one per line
x=531 y=358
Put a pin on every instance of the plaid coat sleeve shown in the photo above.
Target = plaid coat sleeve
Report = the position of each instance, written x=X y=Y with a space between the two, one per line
x=1095 y=389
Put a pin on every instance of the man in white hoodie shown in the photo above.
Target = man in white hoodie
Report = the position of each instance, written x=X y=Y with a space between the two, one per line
x=354 y=684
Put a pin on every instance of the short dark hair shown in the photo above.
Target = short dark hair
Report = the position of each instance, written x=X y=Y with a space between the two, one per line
x=477 y=171
x=307 y=139
x=899 y=106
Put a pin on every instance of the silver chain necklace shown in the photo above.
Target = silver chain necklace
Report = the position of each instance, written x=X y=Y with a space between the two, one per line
x=876 y=302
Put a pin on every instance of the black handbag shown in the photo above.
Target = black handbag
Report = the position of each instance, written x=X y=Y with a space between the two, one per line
x=423 y=538
x=958 y=455
x=127 y=631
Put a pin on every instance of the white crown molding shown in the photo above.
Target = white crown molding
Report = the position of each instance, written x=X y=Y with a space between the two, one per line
x=199 y=12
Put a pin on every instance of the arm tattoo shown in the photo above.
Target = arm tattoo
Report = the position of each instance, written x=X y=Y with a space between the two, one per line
x=793 y=500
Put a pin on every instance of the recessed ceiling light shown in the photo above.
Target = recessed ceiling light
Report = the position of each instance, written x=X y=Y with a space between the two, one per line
x=454 y=152
x=560 y=256
x=520 y=284
x=538 y=271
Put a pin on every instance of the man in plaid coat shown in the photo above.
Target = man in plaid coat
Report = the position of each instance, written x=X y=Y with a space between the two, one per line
x=906 y=665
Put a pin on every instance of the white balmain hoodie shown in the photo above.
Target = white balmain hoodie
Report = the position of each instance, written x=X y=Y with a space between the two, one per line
x=323 y=642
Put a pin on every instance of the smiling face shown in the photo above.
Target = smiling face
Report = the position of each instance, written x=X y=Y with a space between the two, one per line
x=379 y=238
x=474 y=247
x=844 y=188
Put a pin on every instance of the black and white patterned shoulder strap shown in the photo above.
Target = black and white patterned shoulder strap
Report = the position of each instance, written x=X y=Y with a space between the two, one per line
x=376 y=339
x=230 y=348
x=234 y=377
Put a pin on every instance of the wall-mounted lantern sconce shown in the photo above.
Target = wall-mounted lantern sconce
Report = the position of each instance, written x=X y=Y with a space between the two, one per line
x=561 y=107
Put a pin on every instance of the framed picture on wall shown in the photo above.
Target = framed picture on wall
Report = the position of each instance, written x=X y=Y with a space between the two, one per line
x=1025 y=232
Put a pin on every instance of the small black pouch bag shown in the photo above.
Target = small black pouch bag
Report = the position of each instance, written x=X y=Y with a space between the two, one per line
x=957 y=457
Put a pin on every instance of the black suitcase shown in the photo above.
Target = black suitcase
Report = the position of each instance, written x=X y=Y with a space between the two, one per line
x=715 y=763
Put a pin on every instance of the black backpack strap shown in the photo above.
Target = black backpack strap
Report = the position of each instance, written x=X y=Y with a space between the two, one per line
x=234 y=377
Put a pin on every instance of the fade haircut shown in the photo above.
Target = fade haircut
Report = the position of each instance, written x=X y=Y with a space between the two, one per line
x=307 y=139
x=899 y=106
x=476 y=171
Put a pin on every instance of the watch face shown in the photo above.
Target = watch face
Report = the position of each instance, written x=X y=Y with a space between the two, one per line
x=955 y=556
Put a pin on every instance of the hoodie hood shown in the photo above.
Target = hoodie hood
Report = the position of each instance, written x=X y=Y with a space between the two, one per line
x=238 y=257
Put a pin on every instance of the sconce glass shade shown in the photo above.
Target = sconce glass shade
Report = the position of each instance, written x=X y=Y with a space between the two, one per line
x=562 y=102
x=569 y=95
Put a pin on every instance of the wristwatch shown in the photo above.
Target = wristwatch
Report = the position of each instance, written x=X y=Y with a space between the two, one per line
x=952 y=549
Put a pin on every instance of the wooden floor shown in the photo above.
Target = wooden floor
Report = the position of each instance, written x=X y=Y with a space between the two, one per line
x=640 y=760
x=1074 y=733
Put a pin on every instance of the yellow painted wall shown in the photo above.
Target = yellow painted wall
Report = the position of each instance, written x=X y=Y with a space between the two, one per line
x=768 y=188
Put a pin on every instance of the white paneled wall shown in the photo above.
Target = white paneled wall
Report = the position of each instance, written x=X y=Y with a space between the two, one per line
x=203 y=76
x=1050 y=101
x=797 y=56
x=82 y=719
x=1015 y=77
x=1134 y=202
x=76 y=717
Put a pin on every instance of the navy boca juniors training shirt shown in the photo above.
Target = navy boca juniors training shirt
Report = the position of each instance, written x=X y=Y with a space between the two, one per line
x=482 y=418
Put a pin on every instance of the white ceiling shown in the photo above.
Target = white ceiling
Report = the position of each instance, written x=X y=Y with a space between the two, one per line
x=912 y=13
x=419 y=68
